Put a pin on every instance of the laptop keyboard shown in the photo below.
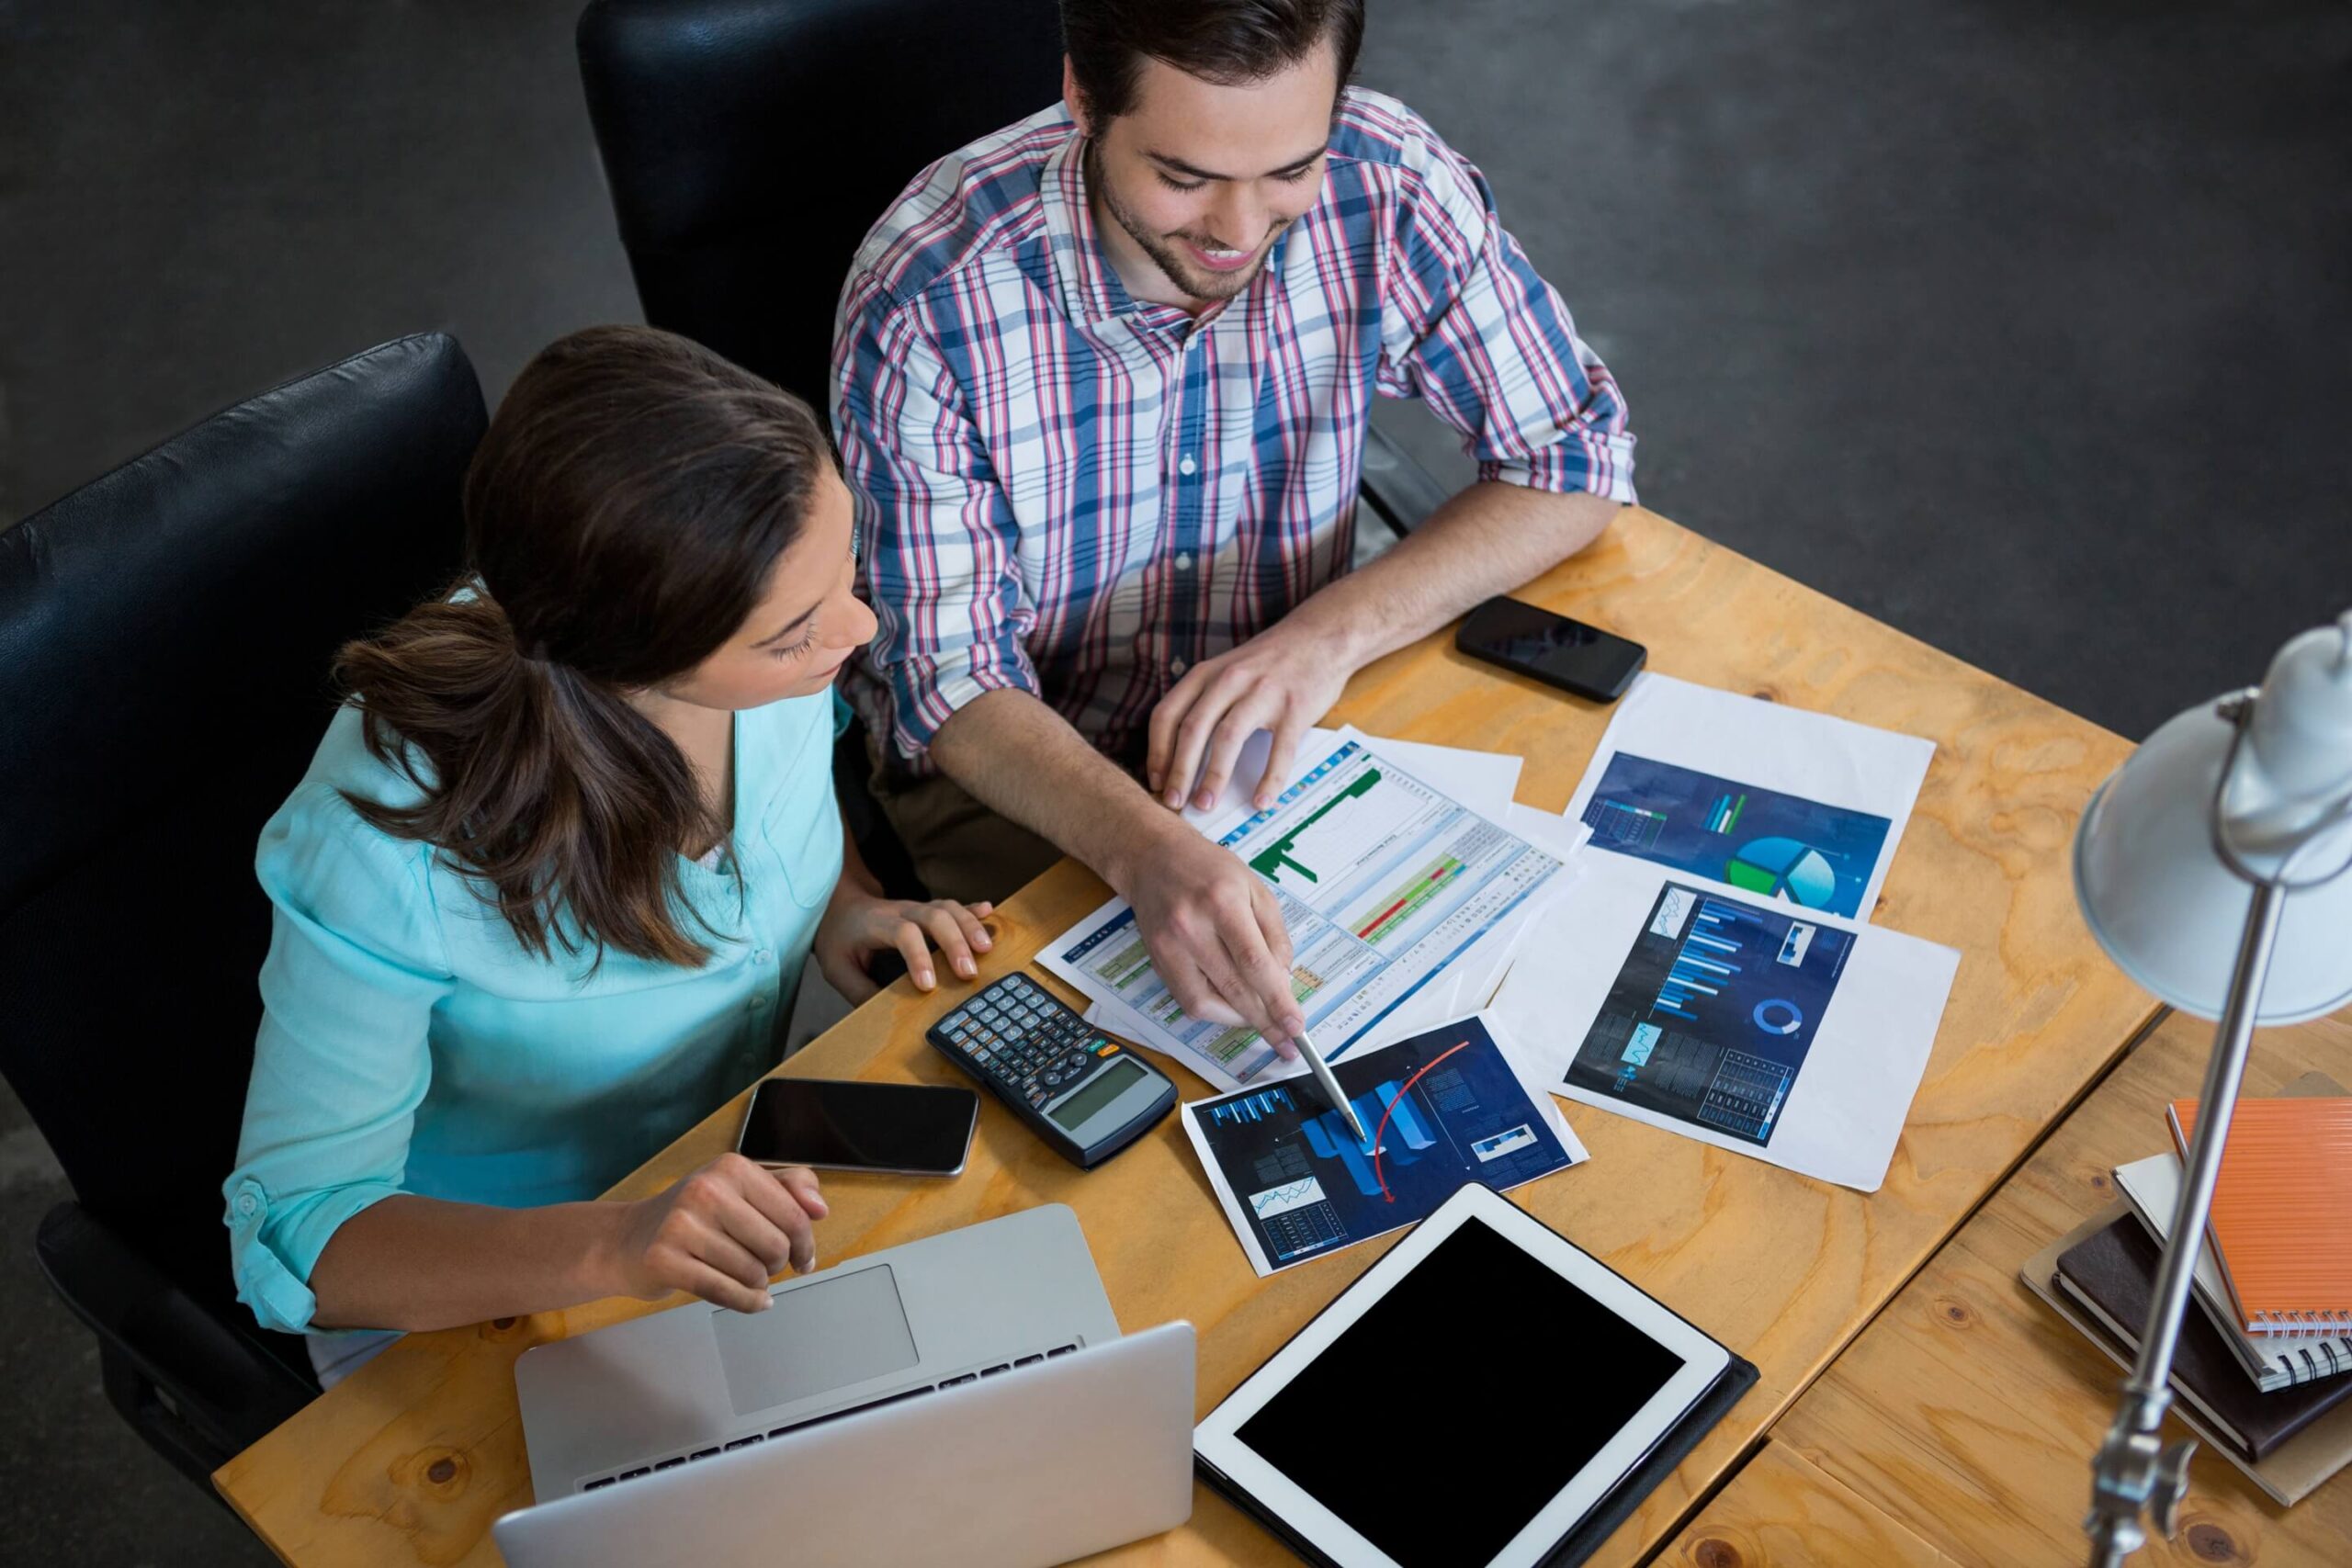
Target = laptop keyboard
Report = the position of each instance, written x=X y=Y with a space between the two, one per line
x=749 y=1439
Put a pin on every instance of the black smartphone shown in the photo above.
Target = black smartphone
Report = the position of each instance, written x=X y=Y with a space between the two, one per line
x=1555 y=649
x=835 y=1125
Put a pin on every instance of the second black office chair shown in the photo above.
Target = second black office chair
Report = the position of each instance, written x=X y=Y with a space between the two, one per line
x=165 y=637
x=750 y=144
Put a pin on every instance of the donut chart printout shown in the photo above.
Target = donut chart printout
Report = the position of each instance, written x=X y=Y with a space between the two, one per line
x=1711 y=1015
x=1739 y=1019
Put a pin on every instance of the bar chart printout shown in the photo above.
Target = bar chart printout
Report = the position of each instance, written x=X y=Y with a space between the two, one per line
x=1440 y=1109
x=1382 y=880
x=1710 y=1018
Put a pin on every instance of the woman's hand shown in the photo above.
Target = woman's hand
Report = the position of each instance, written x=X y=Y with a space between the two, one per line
x=857 y=925
x=722 y=1233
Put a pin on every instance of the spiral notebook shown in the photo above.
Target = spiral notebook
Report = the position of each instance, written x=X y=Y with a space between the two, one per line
x=2283 y=1212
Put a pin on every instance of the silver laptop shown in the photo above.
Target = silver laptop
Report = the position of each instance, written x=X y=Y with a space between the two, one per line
x=964 y=1398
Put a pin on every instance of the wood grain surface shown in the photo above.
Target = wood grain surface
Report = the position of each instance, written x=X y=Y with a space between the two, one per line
x=1799 y=1516
x=1968 y=1413
x=411 y=1459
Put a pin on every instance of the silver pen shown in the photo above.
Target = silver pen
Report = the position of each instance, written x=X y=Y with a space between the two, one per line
x=1331 y=1090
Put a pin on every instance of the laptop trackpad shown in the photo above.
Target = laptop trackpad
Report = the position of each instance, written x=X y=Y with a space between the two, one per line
x=814 y=1339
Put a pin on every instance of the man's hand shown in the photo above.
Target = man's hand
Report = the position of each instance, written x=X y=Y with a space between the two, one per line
x=1214 y=932
x=1280 y=679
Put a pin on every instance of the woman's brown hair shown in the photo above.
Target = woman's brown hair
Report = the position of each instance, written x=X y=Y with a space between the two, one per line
x=623 y=513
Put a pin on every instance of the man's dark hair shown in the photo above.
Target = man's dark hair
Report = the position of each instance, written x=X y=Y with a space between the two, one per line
x=1228 y=41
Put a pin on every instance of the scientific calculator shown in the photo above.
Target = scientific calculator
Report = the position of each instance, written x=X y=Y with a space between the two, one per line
x=1083 y=1092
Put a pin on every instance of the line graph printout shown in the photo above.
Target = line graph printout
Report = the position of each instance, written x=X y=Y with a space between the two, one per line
x=1383 y=882
x=1442 y=1107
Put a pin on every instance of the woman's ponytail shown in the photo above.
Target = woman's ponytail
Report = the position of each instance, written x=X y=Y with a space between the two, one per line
x=559 y=799
x=623 y=513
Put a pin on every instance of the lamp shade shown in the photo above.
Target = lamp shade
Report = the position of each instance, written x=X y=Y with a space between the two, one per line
x=2170 y=912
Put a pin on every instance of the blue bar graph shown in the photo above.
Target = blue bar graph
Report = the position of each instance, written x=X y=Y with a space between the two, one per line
x=1266 y=1105
x=1702 y=967
x=1401 y=1144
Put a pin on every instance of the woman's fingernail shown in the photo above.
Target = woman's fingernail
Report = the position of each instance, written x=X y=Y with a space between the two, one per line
x=982 y=941
x=1265 y=803
x=922 y=978
x=1205 y=800
x=962 y=966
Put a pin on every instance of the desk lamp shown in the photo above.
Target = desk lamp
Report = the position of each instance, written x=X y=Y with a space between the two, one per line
x=2211 y=868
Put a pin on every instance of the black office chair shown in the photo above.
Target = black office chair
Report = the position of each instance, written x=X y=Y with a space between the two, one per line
x=165 y=639
x=750 y=144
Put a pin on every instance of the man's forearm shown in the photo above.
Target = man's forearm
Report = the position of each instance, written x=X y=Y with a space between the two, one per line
x=1488 y=540
x=1025 y=762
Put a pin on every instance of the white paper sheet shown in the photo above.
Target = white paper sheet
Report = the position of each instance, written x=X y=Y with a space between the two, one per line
x=1486 y=781
x=1306 y=1194
x=1722 y=1018
x=1384 y=856
x=1714 y=777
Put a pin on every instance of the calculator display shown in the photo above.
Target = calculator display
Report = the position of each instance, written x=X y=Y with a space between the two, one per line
x=1113 y=1082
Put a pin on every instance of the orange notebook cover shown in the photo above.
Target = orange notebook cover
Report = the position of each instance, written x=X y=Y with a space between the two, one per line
x=2282 y=1211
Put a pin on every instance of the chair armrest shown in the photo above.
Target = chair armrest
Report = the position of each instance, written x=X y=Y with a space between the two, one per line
x=1401 y=492
x=198 y=1388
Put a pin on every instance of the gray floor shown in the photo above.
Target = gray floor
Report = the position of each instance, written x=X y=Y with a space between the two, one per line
x=2025 y=328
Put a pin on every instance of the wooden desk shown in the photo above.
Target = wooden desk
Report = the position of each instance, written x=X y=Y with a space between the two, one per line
x=410 y=1461
x=1960 y=1426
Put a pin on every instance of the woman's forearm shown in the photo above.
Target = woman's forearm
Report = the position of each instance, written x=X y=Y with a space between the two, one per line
x=416 y=1263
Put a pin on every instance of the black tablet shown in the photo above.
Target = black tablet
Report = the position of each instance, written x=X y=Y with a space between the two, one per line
x=1470 y=1400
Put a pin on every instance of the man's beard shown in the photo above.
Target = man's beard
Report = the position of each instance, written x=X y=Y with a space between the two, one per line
x=1195 y=281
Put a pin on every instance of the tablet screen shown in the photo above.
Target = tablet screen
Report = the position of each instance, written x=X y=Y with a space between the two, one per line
x=1442 y=1420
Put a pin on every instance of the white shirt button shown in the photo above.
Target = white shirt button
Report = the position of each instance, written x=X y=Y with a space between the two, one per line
x=758 y=1002
x=1184 y=561
x=1175 y=666
x=247 y=1204
x=762 y=957
x=1187 y=466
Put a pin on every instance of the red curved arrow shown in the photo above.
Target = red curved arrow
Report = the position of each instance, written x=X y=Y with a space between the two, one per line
x=1391 y=1110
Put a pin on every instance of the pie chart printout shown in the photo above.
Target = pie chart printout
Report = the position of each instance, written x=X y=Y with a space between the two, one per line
x=1779 y=846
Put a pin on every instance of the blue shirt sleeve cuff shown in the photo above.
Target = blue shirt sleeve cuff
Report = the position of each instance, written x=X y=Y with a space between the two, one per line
x=272 y=1249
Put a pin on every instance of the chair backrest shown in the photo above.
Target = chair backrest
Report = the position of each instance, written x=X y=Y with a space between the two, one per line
x=165 y=639
x=750 y=144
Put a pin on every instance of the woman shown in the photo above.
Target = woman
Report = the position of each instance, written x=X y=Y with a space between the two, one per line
x=542 y=899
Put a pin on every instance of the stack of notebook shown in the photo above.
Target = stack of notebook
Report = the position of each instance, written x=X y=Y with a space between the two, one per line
x=2264 y=1366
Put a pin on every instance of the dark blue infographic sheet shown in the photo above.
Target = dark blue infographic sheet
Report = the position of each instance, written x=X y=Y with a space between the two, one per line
x=1711 y=1017
x=1438 y=1109
x=1756 y=840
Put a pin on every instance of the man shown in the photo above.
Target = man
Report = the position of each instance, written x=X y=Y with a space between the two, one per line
x=1102 y=388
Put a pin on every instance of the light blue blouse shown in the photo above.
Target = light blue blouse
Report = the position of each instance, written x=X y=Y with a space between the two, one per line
x=409 y=1044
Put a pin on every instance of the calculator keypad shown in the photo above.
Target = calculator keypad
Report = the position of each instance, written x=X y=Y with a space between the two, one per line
x=1025 y=1039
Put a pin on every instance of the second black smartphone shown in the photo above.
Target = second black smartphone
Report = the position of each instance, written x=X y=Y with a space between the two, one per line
x=843 y=1124
x=1552 y=649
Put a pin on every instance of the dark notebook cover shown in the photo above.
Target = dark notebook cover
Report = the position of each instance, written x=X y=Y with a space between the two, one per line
x=2115 y=1271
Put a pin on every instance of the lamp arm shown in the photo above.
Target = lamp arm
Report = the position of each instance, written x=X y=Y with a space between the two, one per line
x=2133 y=1472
